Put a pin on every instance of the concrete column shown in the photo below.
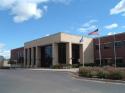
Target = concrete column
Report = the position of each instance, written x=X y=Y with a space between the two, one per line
x=81 y=54
x=28 y=57
x=54 y=54
x=32 y=57
x=38 y=56
x=69 y=53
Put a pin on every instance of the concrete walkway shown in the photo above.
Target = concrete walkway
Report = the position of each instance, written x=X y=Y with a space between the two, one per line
x=60 y=70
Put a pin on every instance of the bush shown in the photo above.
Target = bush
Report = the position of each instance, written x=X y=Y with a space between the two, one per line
x=104 y=73
x=116 y=75
x=91 y=64
x=84 y=72
x=62 y=66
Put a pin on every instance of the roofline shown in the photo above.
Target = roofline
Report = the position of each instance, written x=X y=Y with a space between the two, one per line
x=56 y=34
x=17 y=48
x=110 y=35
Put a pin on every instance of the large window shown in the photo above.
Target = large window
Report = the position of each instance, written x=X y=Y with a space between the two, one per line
x=96 y=47
x=118 y=44
x=107 y=45
x=46 y=56
x=62 y=53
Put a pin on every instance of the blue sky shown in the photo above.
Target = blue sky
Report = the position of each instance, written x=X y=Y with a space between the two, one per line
x=25 y=20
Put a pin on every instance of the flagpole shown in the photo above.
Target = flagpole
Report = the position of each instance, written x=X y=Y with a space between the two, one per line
x=100 y=56
x=114 y=50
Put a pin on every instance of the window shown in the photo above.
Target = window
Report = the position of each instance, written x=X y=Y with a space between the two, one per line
x=107 y=46
x=118 y=44
x=96 y=47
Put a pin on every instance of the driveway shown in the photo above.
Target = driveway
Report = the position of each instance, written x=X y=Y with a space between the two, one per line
x=31 y=81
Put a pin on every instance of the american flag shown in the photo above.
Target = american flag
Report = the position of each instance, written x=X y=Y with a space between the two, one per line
x=94 y=32
x=81 y=40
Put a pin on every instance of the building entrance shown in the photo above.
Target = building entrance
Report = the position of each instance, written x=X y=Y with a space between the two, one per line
x=46 y=56
x=75 y=53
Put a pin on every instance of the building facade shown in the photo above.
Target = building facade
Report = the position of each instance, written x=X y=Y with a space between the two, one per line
x=17 y=57
x=1 y=61
x=63 y=48
x=60 y=48
x=112 y=50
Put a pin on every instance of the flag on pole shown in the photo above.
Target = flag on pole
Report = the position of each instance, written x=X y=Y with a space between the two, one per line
x=94 y=32
x=81 y=40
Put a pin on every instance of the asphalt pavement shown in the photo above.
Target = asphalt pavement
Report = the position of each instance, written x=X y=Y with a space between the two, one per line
x=33 y=81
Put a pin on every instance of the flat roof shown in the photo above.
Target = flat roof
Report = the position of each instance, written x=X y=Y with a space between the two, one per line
x=55 y=35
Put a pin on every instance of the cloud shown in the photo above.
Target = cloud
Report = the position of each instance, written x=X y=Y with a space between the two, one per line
x=23 y=10
x=111 y=26
x=3 y=51
x=47 y=35
x=119 y=8
x=88 y=26
x=111 y=33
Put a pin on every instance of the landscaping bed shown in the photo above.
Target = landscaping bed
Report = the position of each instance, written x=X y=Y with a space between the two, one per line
x=66 y=66
x=102 y=72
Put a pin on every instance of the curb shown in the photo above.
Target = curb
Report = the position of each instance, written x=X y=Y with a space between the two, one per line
x=76 y=76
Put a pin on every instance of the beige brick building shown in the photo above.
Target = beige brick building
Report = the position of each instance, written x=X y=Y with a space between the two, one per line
x=60 y=48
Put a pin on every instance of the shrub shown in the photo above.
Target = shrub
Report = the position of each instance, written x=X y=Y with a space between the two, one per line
x=75 y=66
x=116 y=75
x=84 y=72
x=56 y=67
x=102 y=74
x=106 y=72
x=62 y=66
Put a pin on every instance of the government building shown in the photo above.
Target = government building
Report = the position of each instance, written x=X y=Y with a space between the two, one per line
x=63 y=48
x=60 y=48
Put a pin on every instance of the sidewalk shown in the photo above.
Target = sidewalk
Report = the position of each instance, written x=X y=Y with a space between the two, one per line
x=61 y=70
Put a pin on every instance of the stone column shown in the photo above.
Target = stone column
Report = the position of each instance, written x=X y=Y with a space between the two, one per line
x=54 y=54
x=32 y=57
x=37 y=56
x=69 y=53
x=24 y=65
x=81 y=54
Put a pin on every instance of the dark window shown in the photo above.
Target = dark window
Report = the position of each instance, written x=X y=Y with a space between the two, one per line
x=75 y=54
x=123 y=43
x=26 y=56
x=107 y=46
x=30 y=56
x=34 y=59
x=46 y=56
x=120 y=62
x=96 y=47
x=118 y=44
x=62 y=53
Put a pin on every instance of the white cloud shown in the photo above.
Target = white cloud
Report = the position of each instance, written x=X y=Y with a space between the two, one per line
x=3 y=51
x=88 y=26
x=111 y=26
x=47 y=35
x=23 y=10
x=119 y=8
x=111 y=33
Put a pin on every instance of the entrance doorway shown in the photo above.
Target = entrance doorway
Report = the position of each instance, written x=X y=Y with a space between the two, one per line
x=46 y=56
x=62 y=53
x=75 y=53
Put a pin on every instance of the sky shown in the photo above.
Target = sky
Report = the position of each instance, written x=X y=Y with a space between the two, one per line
x=25 y=20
